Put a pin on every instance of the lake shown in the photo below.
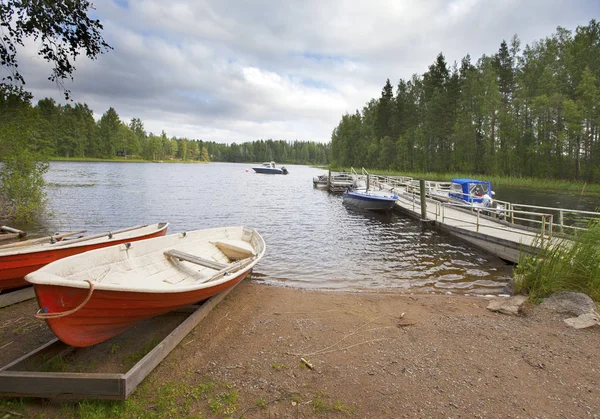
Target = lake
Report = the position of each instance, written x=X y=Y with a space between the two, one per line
x=313 y=240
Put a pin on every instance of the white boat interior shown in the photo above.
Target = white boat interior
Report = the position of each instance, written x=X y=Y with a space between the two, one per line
x=174 y=263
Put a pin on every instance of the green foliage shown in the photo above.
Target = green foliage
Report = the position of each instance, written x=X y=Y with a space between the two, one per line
x=571 y=266
x=530 y=113
x=62 y=29
x=224 y=403
x=22 y=161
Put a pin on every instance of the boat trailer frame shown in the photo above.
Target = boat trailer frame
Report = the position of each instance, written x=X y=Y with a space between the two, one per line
x=111 y=386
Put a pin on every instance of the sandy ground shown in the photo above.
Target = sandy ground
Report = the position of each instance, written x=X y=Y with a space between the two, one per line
x=279 y=352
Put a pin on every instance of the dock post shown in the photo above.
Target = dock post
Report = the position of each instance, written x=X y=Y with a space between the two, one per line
x=423 y=201
x=329 y=180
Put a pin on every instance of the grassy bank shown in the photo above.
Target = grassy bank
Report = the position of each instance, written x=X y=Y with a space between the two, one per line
x=516 y=182
x=569 y=266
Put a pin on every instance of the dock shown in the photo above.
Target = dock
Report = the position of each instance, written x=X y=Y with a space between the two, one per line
x=494 y=236
x=508 y=233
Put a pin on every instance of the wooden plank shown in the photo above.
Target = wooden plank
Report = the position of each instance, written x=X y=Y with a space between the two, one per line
x=62 y=385
x=195 y=259
x=14 y=297
x=8 y=236
x=30 y=354
x=140 y=370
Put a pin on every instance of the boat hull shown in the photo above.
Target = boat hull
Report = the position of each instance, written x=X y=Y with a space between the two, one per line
x=14 y=267
x=369 y=202
x=109 y=313
x=267 y=171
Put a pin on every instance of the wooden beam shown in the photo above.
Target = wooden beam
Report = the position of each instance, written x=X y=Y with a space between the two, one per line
x=62 y=385
x=14 y=297
x=176 y=254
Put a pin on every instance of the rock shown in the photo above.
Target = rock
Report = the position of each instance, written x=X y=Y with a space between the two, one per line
x=510 y=305
x=585 y=320
x=569 y=302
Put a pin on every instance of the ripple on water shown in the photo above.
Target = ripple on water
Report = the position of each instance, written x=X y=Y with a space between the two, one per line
x=313 y=240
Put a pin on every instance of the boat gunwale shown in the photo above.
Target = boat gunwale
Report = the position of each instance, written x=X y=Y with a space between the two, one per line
x=60 y=245
x=42 y=277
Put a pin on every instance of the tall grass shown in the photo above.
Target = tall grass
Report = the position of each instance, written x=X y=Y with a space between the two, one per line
x=572 y=186
x=570 y=265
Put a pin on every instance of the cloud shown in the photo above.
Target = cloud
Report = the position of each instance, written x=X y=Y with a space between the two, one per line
x=233 y=71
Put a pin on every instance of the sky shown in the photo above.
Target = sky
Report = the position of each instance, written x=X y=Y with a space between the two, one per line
x=236 y=71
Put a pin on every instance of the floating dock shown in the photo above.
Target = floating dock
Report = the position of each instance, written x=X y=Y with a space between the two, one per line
x=472 y=225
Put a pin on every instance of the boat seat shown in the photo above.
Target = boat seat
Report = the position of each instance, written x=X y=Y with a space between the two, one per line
x=235 y=249
x=176 y=254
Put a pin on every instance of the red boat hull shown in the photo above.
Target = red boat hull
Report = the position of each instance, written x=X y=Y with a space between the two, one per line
x=13 y=268
x=109 y=313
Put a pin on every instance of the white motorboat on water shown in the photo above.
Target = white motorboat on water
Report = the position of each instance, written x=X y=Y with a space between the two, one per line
x=271 y=169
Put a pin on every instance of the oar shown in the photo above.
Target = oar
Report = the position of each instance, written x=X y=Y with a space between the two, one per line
x=41 y=240
x=109 y=234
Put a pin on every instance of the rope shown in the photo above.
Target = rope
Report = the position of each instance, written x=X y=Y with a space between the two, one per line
x=45 y=316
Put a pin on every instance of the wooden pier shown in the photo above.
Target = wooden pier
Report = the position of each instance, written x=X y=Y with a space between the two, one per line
x=493 y=235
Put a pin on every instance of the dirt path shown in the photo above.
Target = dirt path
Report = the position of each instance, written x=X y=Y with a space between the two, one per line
x=279 y=352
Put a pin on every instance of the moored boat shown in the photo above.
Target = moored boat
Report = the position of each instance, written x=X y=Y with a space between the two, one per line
x=271 y=169
x=320 y=182
x=91 y=297
x=360 y=196
x=21 y=258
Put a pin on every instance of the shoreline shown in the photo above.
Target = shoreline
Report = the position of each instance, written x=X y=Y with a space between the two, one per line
x=370 y=355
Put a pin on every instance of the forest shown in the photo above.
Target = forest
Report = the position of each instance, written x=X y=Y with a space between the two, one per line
x=71 y=131
x=530 y=112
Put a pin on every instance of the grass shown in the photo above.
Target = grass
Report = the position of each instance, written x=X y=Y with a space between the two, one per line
x=134 y=357
x=278 y=367
x=568 y=266
x=506 y=181
x=322 y=406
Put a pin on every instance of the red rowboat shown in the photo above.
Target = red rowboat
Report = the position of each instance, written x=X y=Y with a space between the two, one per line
x=88 y=298
x=19 y=259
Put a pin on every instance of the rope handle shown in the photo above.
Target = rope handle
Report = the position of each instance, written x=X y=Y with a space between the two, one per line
x=44 y=316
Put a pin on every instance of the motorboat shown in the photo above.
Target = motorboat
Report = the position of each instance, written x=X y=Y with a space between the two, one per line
x=91 y=297
x=20 y=258
x=271 y=169
x=363 y=197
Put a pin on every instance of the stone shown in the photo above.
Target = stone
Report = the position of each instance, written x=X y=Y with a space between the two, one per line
x=569 y=302
x=511 y=305
x=585 y=320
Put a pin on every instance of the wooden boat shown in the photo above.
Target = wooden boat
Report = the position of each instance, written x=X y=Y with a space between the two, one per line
x=19 y=259
x=269 y=168
x=88 y=298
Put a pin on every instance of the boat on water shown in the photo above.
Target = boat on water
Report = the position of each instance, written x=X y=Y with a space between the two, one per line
x=271 y=169
x=320 y=182
x=89 y=298
x=363 y=197
x=21 y=258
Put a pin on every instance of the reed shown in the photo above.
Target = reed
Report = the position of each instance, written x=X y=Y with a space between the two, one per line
x=569 y=265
